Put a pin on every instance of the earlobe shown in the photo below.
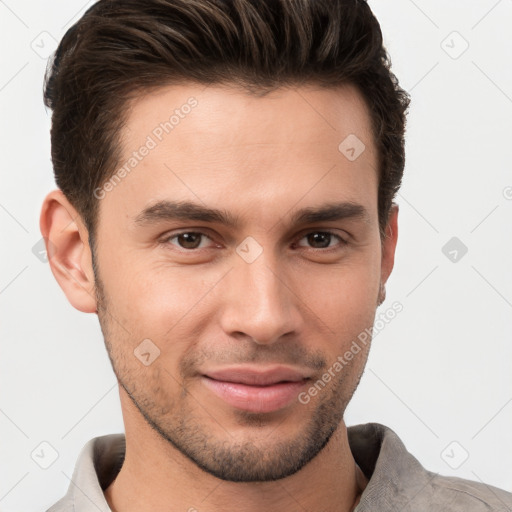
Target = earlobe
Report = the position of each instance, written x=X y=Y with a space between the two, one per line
x=68 y=250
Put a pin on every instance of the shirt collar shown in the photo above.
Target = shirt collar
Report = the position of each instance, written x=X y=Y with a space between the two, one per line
x=395 y=476
x=378 y=451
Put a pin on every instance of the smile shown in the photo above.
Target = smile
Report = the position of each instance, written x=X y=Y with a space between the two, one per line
x=254 y=390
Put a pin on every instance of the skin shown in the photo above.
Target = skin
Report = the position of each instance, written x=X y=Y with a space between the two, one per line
x=301 y=302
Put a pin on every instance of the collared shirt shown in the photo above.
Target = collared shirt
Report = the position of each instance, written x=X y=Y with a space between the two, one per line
x=397 y=481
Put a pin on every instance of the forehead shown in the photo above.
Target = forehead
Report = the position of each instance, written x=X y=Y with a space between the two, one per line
x=231 y=115
x=220 y=144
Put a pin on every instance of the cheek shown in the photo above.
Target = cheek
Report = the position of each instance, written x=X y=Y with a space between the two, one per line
x=159 y=300
x=343 y=297
x=164 y=303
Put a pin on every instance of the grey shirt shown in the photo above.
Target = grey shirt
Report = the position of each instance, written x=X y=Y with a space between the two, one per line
x=397 y=481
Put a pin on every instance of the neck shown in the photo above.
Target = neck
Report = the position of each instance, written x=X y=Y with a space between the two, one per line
x=156 y=476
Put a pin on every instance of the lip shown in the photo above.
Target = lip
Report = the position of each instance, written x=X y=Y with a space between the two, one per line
x=254 y=389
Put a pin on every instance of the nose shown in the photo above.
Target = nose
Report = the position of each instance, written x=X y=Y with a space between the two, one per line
x=259 y=301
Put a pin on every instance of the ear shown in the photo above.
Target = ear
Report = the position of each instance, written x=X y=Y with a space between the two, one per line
x=389 y=244
x=69 y=254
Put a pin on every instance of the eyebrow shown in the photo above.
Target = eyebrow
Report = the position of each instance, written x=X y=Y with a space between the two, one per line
x=166 y=210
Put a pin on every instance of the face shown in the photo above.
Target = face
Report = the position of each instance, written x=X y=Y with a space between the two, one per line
x=238 y=257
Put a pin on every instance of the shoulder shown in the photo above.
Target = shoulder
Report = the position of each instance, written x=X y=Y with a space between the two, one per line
x=458 y=494
x=65 y=504
x=398 y=481
x=98 y=463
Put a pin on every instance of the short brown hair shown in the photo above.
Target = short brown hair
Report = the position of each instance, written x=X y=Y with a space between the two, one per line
x=122 y=48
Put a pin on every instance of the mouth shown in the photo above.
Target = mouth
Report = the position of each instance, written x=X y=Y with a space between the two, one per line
x=256 y=390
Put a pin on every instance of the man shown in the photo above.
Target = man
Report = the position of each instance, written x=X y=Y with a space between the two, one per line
x=226 y=175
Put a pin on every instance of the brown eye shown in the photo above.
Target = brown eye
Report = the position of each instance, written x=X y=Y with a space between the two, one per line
x=322 y=239
x=319 y=240
x=187 y=239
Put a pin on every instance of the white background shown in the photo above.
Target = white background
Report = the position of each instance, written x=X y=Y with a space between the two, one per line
x=439 y=372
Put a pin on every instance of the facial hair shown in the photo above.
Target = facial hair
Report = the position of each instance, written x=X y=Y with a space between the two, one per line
x=180 y=420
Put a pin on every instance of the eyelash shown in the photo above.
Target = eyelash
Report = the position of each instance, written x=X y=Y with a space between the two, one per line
x=342 y=241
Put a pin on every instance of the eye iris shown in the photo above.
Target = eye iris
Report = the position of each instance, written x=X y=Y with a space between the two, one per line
x=189 y=240
x=318 y=237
